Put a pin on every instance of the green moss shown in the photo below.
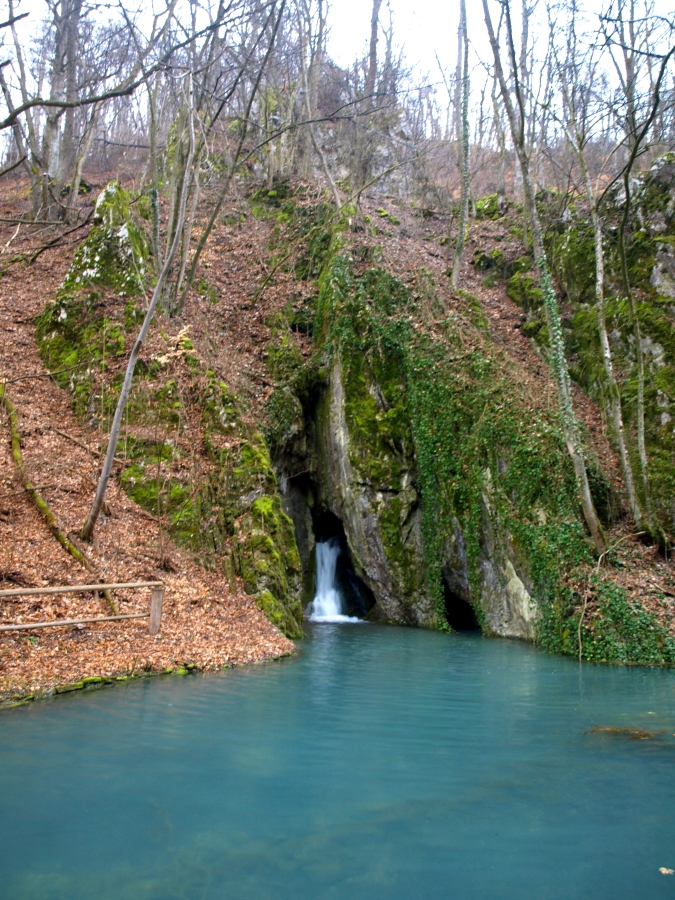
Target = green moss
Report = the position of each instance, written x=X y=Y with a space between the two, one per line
x=230 y=518
x=448 y=414
x=488 y=207
x=283 y=358
x=618 y=630
x=388 y=216
x=74 y=332
x=208 y=291
x=493 y=264
x=522 y=287
x=276 y=196
x=133 y=316
x=115 y=253
x=296 y=380
x=651 y=225
x=267 y=558
x=76 y=341
x=314 y=225
x=274 y=610
x=573 y=257
x=473 y=310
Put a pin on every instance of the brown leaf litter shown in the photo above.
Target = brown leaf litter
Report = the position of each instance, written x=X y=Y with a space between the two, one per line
x=206 y=623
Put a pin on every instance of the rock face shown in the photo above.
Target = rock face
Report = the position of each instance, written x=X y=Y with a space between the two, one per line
x=505 y=600
x=370 y=508
x=663 y=273
x=366 y=507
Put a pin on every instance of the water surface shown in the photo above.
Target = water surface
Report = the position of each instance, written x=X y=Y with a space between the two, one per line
x=379 y=763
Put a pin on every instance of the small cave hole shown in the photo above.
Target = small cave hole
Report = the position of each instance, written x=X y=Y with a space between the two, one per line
x=358 y=599
x=459 y=612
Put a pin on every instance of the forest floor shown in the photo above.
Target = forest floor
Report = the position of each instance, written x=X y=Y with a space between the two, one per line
x=207 y=622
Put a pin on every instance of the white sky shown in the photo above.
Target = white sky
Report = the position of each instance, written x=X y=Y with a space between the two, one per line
x=424 y=28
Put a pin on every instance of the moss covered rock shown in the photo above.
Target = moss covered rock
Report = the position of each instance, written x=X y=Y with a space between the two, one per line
x=421 y=492
x=488 y=207
x=226 y=510
x=115 y=253
x=76 y=334
x=229 y=515
x=523 y=286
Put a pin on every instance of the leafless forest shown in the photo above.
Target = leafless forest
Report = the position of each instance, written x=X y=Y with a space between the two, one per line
x=195 y=93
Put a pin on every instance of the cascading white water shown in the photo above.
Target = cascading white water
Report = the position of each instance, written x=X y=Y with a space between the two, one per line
x=327 y=603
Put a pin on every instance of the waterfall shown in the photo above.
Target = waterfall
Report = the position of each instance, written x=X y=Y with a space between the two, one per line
x=327 y=603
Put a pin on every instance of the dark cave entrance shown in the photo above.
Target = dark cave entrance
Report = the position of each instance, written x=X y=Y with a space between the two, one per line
x=358 y=599
x=459 y=612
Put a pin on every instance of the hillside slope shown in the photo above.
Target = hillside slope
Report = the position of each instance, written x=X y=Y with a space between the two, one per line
x=207 y=621
x=227 y=472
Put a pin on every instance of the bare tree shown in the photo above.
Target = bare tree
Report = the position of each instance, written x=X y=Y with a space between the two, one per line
x=518 y=126
x=575 y=79
x=463 y=136
x=44 y=129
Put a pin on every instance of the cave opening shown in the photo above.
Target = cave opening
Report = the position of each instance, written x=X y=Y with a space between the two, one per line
x=459 y=612
x=358 y=599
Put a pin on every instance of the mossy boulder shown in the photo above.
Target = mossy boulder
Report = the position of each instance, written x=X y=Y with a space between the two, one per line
x=488 y=207
x=486 y=262
x=76 y=334
x=115 y=253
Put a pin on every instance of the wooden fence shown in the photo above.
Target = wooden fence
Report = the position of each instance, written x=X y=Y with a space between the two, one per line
x=155 y=614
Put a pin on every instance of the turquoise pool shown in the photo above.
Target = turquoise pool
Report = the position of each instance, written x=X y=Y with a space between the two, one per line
x=379 y=763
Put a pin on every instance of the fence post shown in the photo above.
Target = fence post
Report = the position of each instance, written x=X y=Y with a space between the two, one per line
x=156 y=609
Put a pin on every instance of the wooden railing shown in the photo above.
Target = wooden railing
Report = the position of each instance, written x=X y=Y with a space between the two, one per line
x=155 y=614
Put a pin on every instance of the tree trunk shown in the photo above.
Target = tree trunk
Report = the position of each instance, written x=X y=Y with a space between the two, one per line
x=90 y=524
x=64 y=174
x=463 y=149
x=614 y=394
x=371 y=76
x=557 y=355
x=80 y=160
x=640 y=363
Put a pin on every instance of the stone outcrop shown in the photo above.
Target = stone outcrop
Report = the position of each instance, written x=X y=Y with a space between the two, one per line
x=380 y=515
x=365 y=507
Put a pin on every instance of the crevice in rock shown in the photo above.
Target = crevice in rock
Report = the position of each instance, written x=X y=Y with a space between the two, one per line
x=459 y=613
